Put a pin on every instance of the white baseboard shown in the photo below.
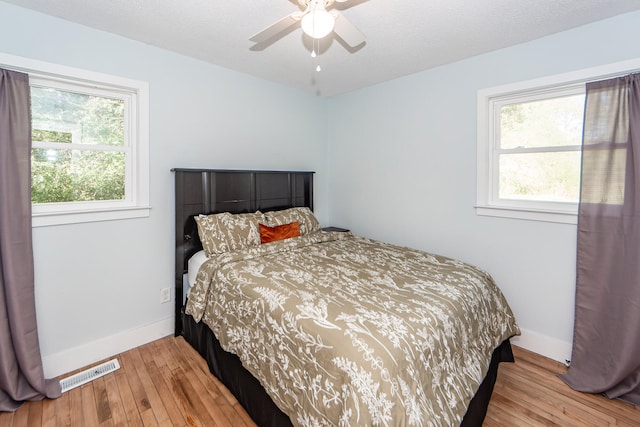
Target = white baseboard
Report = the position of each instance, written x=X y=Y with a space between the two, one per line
x=86 y=354
x=550 y=347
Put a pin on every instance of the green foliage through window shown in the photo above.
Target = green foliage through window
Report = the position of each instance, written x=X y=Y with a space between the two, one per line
x=539 y=157
x=76 y=176
x=49 y=135
x=78 y=150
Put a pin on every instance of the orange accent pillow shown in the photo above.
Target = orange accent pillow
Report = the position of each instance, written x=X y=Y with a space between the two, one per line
x=279 y=232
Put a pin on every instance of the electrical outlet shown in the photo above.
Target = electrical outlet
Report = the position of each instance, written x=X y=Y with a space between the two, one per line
x=165 y=295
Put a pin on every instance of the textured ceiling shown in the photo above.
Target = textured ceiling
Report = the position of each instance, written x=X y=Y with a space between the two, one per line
x=403 y=36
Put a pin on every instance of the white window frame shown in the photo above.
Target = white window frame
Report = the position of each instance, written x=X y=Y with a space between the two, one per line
x=136 y=95
x=489 y=102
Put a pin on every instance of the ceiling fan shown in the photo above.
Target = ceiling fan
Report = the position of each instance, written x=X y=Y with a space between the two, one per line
x=316 y=22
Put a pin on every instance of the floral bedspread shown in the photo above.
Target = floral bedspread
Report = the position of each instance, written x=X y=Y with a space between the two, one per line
x=347 y=331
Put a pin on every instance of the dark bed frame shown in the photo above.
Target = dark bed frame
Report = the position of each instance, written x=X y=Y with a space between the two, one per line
x=205 y=191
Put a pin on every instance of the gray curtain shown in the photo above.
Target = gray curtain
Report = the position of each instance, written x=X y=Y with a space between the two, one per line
x=606 y=343
x=21 y=374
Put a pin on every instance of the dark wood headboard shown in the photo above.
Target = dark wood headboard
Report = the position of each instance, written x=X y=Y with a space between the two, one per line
x=206 y=191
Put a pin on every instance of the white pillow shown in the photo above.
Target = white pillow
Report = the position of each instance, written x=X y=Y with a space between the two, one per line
x=193 y=266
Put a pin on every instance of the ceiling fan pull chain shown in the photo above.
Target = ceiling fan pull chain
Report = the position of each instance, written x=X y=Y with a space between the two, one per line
x=313 y=54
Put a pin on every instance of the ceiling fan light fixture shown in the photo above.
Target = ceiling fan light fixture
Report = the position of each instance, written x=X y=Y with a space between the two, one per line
x=318 y=23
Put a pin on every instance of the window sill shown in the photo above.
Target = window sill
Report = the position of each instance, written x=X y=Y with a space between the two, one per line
x=76 y=217
x=562 y=217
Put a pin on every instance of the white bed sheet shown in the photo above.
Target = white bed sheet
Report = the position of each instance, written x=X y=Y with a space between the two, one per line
x=193 y=266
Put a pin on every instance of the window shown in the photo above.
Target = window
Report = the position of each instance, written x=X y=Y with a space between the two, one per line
x=536 y=149
x=529 y=142
x=89 y=157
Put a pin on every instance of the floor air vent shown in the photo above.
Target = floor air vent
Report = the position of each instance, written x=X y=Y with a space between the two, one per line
x=87 y=375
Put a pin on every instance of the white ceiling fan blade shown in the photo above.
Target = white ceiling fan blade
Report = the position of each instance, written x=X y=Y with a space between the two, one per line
x=347 y=31
x=277 y=27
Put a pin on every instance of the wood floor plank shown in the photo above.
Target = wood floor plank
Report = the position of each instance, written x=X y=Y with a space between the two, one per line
x=21 y=416
x=116 y=403
x=557 y=408
x=128 y=401
x=190 y=383
x=241 y=414
x=101 y=400
x=152 y=394
x=533 y=382
x=229 y=413
x=201 y=365
x=6 y=419
x=172 y=370
x=500 y=416
x=63 y=411
x=225 y=415
x=35 y=413
x=75 y=407
x=89 y=409
x=195 y=409
x=48 y=413
x=546 y=371
x=166 y=383
x=137 y=389
x=193 y=406
x=155 y=361
x=524 y=413
x=556 y=405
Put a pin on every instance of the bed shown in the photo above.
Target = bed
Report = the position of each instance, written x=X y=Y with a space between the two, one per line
x=328 y=328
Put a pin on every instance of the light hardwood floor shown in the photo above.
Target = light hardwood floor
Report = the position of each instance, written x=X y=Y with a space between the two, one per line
x=529 y=393
x=166 y=383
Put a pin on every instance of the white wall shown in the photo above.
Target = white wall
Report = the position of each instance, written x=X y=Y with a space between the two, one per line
x=98 y=284
x=409 y=146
